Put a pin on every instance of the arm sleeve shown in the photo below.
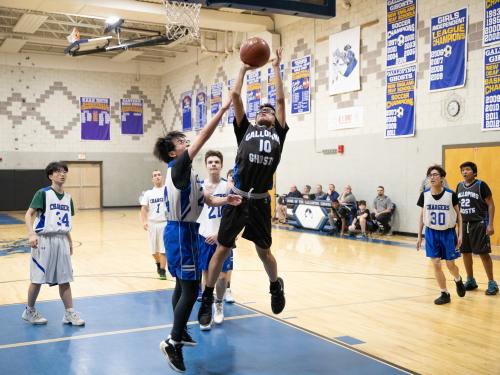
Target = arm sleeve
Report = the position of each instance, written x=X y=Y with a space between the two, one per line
x=420 y=202
x=72 y=207
x=38 y=201
x=181 y=171
x=241 y=128
x=454 y=199
x=484 y=190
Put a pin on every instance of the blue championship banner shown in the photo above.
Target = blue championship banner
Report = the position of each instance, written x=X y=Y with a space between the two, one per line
x=271 y=84
x=401 y=32
x=253 y=93
x=187 y=111
x=491 y=89
x=132 y=116
x=230 y=112
x=491 y=24
x=301 y=85
x=201 y=109
x=448 y=50
x=94 y=116
x=216 y=99
x=400 y=102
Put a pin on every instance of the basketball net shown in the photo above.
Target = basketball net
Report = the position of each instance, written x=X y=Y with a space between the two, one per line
x=183 y=19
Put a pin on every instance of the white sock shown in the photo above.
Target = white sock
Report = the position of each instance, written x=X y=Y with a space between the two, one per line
x=445 y=291
x=459 y=278
x=30 y=309
x=70 y=310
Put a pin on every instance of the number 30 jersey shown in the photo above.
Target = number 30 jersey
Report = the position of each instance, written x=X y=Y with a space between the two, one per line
x=56 y=218
x=210 y=216
x=439 y=213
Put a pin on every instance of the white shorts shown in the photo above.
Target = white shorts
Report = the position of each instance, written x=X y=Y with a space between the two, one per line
x=51 y=260
x=156 y=236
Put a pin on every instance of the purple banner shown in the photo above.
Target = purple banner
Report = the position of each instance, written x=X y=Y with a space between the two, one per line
x=230 y=113
x=216 y=99
x=187 y=111
x=271 y=84
x=253 y=93
x=301 y=85
x=132 y=116
x=94 y=115
x=201 y=109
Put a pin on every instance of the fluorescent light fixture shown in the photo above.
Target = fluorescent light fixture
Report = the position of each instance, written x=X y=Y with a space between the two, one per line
x=112 y=24
x=12 y=45
x=29 y=23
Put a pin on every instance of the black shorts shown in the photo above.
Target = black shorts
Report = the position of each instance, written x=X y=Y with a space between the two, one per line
x=252 y=214
x=474 y=238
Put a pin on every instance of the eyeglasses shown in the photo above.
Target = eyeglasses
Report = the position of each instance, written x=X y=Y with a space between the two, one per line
x=183 y=141
x=434 y=175
x=266 y=110
x=61 y=171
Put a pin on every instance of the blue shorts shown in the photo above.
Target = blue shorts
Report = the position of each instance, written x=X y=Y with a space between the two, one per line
x=441 y=244
x=181 y=249
x=206 y=253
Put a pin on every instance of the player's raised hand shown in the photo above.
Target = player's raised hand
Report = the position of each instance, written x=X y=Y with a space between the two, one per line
x=234 y=199
x=277 y=60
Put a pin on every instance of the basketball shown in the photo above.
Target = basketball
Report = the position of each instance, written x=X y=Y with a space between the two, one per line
x=255 y=52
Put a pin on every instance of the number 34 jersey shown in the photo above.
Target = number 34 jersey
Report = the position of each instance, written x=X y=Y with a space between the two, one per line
x=56 y=218
x=439 y=211
x=210 y=216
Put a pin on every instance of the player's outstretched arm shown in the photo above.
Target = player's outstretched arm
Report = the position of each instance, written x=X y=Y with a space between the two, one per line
x=280 y=92
x=232 y=199
x=208 y=130
x=239 y=110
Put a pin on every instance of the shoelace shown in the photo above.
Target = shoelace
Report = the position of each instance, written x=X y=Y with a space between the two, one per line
x=218 y=307
x=36 y=315
x=74 y=316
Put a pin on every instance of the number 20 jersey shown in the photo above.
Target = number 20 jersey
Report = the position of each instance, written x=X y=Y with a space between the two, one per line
x=210 y=216
x=57 y=215
x=439 y=214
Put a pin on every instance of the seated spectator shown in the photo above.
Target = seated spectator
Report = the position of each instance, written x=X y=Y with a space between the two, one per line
x=281 y=209
x=362 y=222
x=332 y=195
x=320 y=195
x=382 y=209
x=306 y=193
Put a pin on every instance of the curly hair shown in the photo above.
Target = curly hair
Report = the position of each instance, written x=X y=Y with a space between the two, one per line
x=165 y=144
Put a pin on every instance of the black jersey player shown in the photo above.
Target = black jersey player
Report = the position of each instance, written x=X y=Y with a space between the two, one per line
x=258 y=156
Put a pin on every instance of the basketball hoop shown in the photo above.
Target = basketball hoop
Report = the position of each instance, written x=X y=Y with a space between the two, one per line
x=183 y=19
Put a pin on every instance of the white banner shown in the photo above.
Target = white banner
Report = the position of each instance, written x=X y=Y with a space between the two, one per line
x=345 y=118
x=344 y=61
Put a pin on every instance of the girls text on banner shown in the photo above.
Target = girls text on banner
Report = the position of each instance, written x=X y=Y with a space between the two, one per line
x=400 y=102
x=301 y=82
x=344 y=61
x=94 y=115
x=448 y=50
x=253 y=93
x=201 y=109
x=216 y=99
x=271 y=84
x=491 y=118
x=401 y=32
x=230 y=112
x=187 y=111
x=132 y=116
x=491 y=24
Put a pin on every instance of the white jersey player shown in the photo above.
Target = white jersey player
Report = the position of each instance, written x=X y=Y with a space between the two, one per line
x=153 y=211
x=209 y=220
x=49 y=222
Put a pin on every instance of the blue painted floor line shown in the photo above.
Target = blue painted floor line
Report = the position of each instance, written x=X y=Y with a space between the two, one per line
x=123 y=333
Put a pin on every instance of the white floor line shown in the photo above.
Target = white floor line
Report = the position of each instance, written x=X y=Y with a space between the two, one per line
x=110 y=333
